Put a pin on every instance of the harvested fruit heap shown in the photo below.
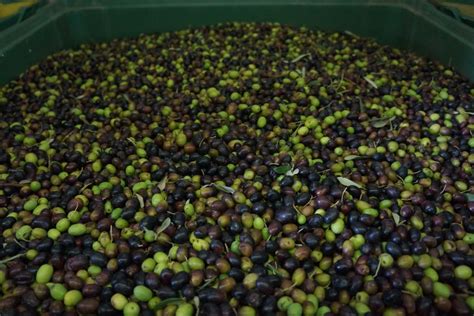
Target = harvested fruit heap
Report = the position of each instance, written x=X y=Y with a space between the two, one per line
x=240 y=168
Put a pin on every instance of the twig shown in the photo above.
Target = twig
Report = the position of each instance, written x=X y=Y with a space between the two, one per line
x=12 y=258
x=10 y=184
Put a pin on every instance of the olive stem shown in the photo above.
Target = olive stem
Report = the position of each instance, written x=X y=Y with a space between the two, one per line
x=11 y=184
x=12 y=258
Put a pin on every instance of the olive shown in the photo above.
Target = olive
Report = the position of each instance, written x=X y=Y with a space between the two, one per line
x=285 y=215
x=91 y=290
x=165 y=292
x=30 y=299
x=23 y=277
x=88 y=306
x=98 y=259
x=77 y=262
x=259 y=257
x=264 y=285
x=302 y=198
x=392 y=298
x=269 y=305
x=316 y=221
x=179 y=280
x=211 y=295
x=393 y=249
x=124 y=286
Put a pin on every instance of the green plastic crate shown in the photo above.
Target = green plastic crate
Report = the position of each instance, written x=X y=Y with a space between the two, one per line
x=21 y=15
x=414 y=25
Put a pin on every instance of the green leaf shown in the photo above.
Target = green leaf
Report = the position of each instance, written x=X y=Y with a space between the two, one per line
x=168 y=301
x=396 y=218
x=224 y=188
x=162 y=183
x=140 y=200
x=350 y=33
x=207 y=283
x=300 y=57
x=351 y=157
x=166 y=223
x=132 y=140
x=292 y=172
x=373 y=84
x=470 y=197
x=382 y=122
x=196 y=301
x=282 y=169
x=347 y=182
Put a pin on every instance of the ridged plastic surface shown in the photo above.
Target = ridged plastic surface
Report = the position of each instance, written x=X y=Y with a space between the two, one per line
x=407 y=24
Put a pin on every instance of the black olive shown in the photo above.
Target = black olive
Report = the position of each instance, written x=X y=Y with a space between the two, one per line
x=118 y=200
x=264 y=286
x=45 y=245
x=258 y=208
x=165 y=292
x=105 y=309
x=239 y=292
x=302 y=198
x=285 y=215
x=211 y=295
x=98 y=259
x=286 y=181
x=181 y=236
x=259 y=257
x=393 y=249
x=315 y=221
x=236 y=274
x=254 y=299
x=392 y=297
x=179 y=280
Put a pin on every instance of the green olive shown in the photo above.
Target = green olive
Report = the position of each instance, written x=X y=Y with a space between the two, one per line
x=77 y=229
x=57 y=291
x=142 y=293
x=131 y=309
x=44 y=273
x=72 y=297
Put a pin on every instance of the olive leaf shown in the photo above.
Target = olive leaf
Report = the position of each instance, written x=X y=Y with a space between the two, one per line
x=300 y=57
x=382 y=122
x=470 y=197
x=166 y=223
x=196 y=301
x=273 y=270
x=162 y=183
x=373 y=84
x=292 y=172
x=132 y=140
x=351 y=157
x=282 y=169
x=350 y=33
x=207 y=283
x=378 y=269
x=140 y=200
x=396 y=218
x=347 y=182
x=168 y=301
x=224 y=188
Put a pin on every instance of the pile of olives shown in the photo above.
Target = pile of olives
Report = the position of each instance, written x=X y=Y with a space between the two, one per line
x=237 y=169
